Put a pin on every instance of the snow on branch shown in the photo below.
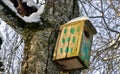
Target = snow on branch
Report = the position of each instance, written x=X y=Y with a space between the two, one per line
x=115 y=43
x=31 y=3
x=27 y=10
x=113 y=57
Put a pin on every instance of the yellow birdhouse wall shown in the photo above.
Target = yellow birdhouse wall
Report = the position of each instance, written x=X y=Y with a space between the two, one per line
x=69 y=40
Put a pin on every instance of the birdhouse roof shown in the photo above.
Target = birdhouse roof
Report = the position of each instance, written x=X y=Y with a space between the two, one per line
x=78 y=19
x=87 y=23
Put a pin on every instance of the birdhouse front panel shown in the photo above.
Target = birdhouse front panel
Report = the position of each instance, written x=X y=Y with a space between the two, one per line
x=69 y=39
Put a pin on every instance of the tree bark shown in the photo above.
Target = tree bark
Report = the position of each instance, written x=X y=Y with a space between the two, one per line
x=39 y=38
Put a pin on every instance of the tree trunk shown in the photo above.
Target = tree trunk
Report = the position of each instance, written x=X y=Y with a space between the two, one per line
x=36 y=52
x=39 y=38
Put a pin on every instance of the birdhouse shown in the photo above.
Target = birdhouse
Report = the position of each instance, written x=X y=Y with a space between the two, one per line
x=73 y=46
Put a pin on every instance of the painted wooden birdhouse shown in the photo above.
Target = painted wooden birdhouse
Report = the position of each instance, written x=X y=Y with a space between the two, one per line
x=73 y=46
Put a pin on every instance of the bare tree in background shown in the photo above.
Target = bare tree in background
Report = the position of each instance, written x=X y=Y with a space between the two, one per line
x=105 y=16
x=11 y=49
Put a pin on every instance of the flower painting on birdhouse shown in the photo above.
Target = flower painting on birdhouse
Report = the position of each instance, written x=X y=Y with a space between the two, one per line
x=73 y=45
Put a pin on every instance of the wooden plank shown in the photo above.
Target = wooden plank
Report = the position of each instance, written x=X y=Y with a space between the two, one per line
x=75 y=39
x=70 y=64
x=57 y=44
x=80 y=37
x=60 y=53
x=67 y=38
x=63 y=44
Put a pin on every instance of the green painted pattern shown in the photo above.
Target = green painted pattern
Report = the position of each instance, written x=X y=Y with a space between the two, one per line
x=65 y=30
x=72 y=30
x=67 y=49
x=63 y=40
x=68 y=39
x=61 y=50
x=73 y=39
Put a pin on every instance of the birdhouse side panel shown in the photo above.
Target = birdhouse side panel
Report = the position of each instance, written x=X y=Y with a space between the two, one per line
x=85 y=49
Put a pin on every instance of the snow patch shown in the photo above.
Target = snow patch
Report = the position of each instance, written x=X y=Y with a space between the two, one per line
x=34 y=17
x=31 y=3
x=78 y=19
x=10 y=5
x=41 y=9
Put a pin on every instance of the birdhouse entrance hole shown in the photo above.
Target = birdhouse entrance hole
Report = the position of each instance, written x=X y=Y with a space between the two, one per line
x=87 y=34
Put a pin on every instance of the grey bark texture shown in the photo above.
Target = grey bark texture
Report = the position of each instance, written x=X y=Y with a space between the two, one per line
x=40 y=38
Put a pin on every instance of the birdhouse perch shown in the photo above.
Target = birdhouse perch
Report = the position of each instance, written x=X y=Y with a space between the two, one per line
x=72 y=50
